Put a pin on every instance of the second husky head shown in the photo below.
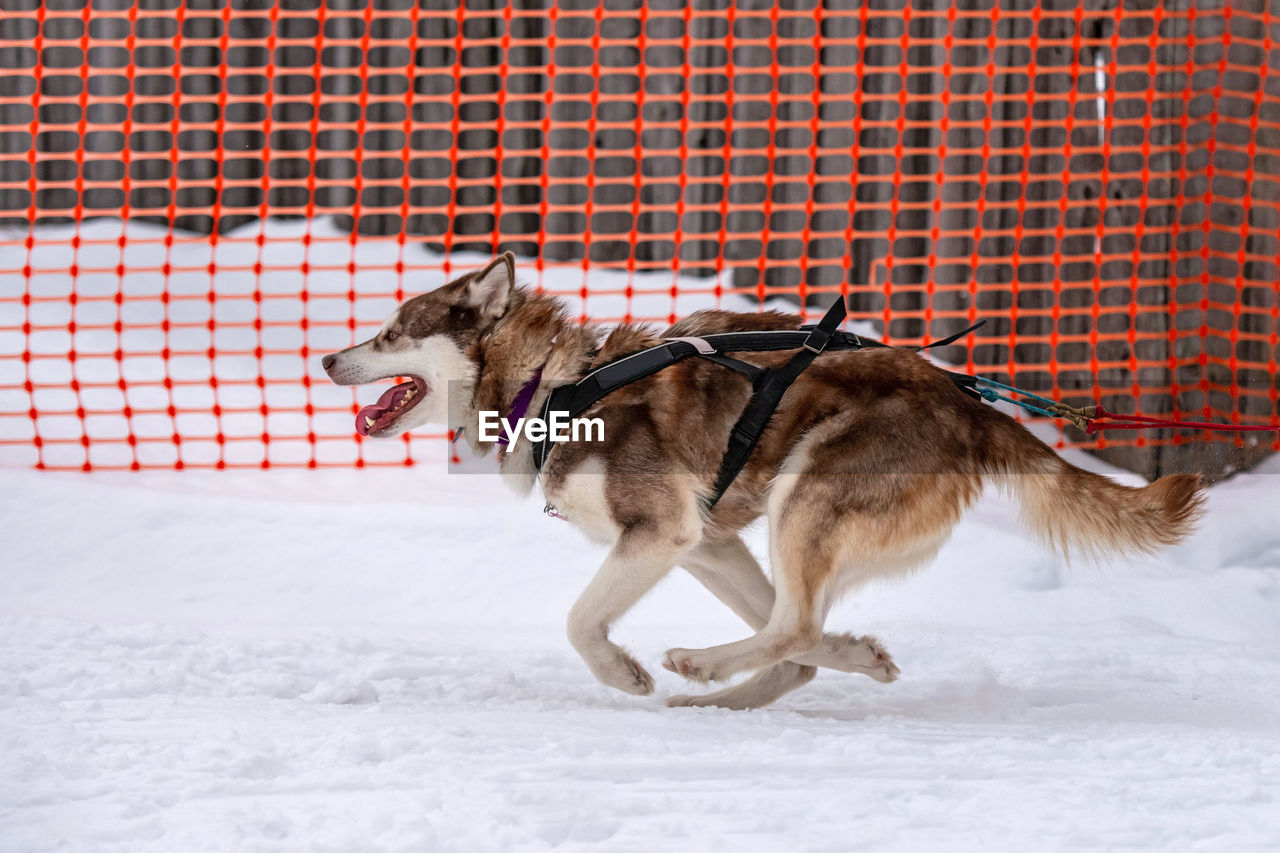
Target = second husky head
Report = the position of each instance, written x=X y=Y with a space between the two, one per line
x=432 y=340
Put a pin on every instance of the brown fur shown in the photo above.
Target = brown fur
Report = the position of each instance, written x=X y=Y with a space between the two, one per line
x=865 y=467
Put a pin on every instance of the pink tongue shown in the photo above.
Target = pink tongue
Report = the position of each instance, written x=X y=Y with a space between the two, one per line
x=380 y=408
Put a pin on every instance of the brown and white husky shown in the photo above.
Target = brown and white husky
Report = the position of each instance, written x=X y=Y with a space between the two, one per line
x=866 y=466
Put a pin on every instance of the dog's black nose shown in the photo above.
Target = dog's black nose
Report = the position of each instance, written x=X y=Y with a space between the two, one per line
x=327 y=361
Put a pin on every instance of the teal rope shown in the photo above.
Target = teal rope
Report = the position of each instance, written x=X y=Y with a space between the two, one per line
x=992 y=396
x=1001 y=385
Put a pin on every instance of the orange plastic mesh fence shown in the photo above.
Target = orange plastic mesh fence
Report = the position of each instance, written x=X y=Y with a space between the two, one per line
x=198 y=199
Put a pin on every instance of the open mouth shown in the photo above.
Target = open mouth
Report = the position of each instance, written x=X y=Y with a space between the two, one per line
x=391 y=406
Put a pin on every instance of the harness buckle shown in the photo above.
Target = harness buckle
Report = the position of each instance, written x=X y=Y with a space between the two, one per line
x=822 y=337
x=826 y=327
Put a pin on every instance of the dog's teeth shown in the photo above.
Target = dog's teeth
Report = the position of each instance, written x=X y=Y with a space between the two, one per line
x=409 y=396
x=368 y=422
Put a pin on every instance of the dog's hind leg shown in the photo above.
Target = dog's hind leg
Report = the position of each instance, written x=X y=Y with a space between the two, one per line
x=803 y=549
x=731 y=573
x=794 y=626
x=847 y=653
x=759 y=690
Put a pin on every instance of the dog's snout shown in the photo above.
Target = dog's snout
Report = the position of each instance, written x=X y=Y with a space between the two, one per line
x=328 y=360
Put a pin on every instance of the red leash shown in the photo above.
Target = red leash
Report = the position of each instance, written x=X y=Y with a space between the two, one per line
x=1102 y=420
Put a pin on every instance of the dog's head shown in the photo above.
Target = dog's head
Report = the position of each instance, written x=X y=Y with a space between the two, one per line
x=431 y=339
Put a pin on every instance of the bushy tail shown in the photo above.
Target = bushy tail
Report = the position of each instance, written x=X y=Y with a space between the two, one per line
x=1077 y=511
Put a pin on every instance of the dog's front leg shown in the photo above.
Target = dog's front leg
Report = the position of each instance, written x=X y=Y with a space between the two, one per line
x=638 y=560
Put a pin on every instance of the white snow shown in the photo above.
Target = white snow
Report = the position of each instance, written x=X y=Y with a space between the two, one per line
x=375 y=659
x=368 y=660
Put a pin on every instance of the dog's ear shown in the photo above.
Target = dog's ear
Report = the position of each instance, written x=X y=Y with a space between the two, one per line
x=490 y=289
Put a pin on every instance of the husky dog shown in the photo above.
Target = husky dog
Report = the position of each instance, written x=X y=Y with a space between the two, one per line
x=864 y=469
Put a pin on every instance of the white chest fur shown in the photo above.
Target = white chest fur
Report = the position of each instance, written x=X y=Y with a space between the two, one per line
x=580 y=497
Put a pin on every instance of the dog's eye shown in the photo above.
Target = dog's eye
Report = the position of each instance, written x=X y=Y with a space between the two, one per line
x=391 y=336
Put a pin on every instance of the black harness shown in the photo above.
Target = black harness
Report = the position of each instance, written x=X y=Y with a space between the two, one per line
x=768 y=385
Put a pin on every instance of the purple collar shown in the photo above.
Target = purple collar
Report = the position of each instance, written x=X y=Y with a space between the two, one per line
x=520 y=406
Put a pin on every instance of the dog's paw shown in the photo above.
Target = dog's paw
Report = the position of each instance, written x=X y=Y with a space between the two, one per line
x=876 y=662
x=614 y=668
x=631 y=677
x=685 y=700
x=848 y=653
x=688 y=663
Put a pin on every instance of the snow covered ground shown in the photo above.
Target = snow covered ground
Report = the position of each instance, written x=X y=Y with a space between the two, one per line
x=375 y=659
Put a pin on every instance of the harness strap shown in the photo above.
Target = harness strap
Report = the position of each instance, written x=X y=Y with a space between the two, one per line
x=769 y=390
x=768 y=385
x=576 y=398
x=700 y=344
x=951 y=339
x=784 y=339
x=965 y=382
x=753 y=372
